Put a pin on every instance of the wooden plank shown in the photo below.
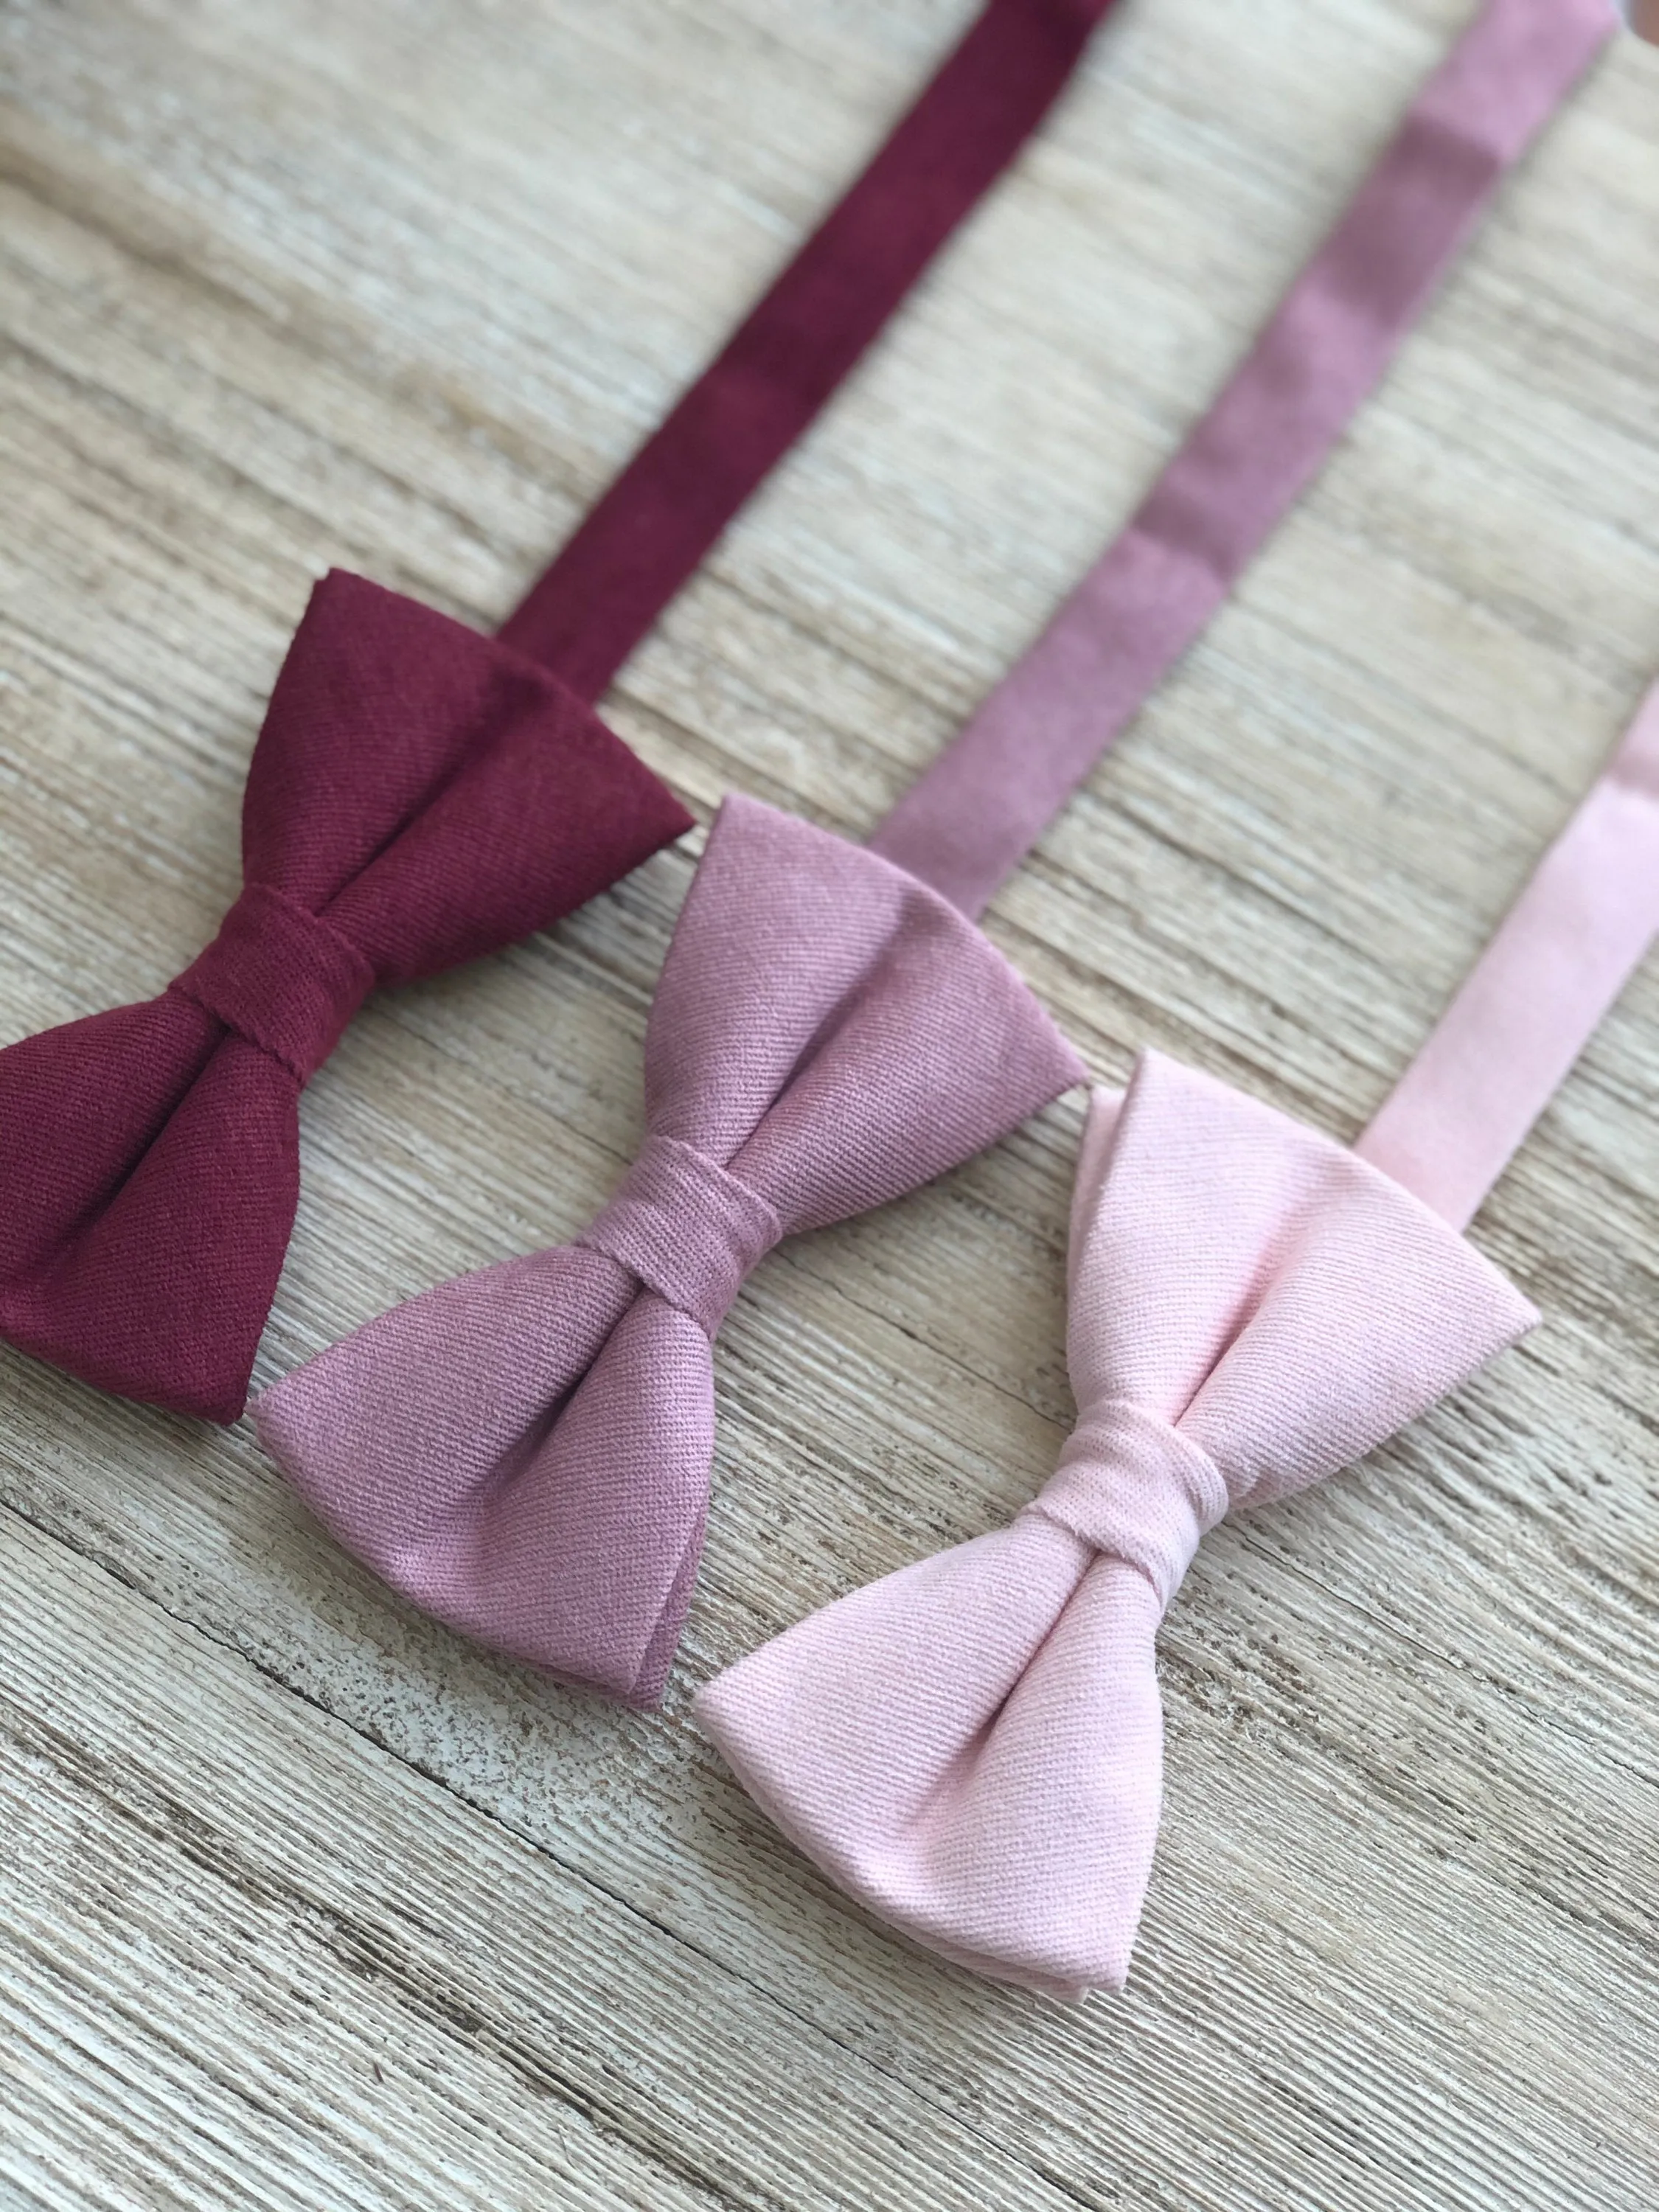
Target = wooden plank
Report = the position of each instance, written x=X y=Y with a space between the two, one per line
x=231 y=1957
x=396 y=288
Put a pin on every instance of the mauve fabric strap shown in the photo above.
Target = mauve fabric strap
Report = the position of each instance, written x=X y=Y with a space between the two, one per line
x=982 y=805
x=643 y=539
x=1529 y=1006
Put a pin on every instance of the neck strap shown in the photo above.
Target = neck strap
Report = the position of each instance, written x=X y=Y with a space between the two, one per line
x=977 y=811
x=1567 y=948
x=648 y=532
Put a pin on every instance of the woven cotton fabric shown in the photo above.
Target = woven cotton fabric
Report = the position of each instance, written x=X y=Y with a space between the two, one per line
x=973 y=1746
x=418 y=795
x=526 y=1452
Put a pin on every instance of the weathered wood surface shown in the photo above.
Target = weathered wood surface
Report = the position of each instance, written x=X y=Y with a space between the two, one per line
x=304 y=1903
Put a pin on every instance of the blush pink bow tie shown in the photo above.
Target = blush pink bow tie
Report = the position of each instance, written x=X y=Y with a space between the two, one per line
x=973 y=1746
x=526 y=1453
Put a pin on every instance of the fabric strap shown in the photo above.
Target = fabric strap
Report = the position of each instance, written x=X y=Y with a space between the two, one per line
x=648 y=532
x=1592 y=909
x=977 y=811
x=1529 y=1006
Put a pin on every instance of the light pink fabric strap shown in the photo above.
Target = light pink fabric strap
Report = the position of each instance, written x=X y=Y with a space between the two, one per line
x=1528 y=1008
x=978 y=809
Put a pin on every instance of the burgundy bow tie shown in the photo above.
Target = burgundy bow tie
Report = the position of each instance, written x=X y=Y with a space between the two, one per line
x=526 y=1452
x=418 y=795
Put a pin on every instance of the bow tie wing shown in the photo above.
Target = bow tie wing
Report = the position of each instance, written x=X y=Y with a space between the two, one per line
x=432 y=793
x=973 y=1748
x=1283 y=1304
x=103 y=1270
x=826 y=1035
x=418 y=795
x=524 y=1453
x=832 y=1030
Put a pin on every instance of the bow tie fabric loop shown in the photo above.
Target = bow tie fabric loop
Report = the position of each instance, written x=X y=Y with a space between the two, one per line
x=1131 y=1485
x=526 y=1452
x=418 y=795
x=687 y=1228
x=281 y=978
x=973 y=1745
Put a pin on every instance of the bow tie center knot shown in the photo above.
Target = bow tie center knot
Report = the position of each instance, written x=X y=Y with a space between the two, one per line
x=1131 y=1485
x=282 y=978
x=687 y=1228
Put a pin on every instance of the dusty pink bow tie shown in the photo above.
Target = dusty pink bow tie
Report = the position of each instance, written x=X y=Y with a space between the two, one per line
x=527 y=1452
x=973 y=1746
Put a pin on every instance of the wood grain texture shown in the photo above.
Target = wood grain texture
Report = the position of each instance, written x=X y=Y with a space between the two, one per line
x=303 y=1902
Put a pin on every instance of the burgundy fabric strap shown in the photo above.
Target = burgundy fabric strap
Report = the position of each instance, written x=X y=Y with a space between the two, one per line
x=1533 y=1000
x=984 y=802
x=649 y=532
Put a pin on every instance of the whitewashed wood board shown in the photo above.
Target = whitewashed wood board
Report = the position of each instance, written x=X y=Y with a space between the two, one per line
x=305 y=1903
